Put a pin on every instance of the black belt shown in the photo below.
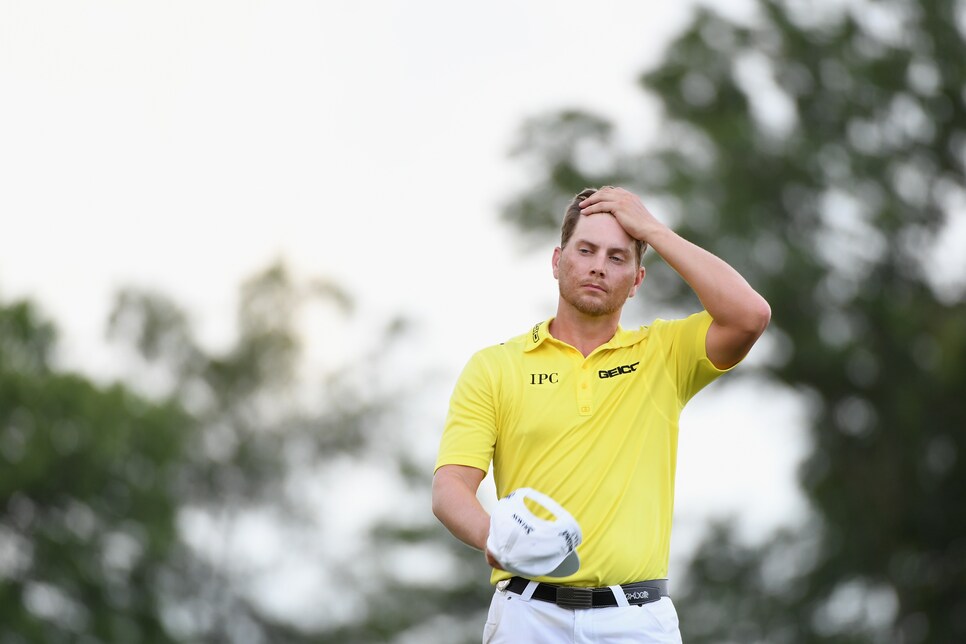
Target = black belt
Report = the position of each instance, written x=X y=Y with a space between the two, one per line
x=641 y=592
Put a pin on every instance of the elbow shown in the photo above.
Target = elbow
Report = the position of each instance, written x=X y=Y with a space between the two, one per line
x=440 y=494
x=752 y=324
x=438 y=510
x=436 y=499
x=728 y=343
x=749 y=320
x=761 y=316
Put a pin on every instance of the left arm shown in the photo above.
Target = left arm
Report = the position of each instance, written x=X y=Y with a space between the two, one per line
x=740 y=315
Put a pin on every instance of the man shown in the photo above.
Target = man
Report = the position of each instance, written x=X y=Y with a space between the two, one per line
x=587 y=413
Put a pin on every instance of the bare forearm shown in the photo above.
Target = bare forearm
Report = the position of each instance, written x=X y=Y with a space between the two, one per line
x=723 y=292
x=456 y=506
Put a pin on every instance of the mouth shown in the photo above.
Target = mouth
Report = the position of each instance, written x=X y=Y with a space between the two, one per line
x=593 y=286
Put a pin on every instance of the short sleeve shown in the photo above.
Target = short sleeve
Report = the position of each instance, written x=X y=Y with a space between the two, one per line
x=685 y=345
x=469 y=433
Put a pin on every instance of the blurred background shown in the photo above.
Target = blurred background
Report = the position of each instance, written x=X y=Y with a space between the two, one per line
x=248 y=246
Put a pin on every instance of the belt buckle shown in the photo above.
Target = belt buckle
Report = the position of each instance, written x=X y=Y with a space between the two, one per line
x=575 y=597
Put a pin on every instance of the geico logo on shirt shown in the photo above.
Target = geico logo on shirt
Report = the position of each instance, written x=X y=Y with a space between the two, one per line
x=542 y=378
x=618 y=371
x=637 y=594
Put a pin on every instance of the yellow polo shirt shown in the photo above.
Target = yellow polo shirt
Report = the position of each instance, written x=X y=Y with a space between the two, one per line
x=598 y=434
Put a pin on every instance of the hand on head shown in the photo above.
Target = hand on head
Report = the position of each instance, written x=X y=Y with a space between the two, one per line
x=626 y=207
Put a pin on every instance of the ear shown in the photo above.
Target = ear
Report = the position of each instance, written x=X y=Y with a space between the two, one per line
x=637 y=282
x=555 y=262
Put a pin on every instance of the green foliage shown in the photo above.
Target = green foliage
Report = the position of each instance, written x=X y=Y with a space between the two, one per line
x=102 y=484
x=87 y=496
x=822 y=152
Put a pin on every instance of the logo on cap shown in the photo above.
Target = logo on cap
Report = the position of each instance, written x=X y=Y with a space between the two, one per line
x=528 y=545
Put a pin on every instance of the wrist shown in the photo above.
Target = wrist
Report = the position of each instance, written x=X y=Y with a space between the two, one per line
x=656 y=236
x=483 y=534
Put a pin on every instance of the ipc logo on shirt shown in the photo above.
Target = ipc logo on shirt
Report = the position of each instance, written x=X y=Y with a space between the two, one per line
x=544 y=378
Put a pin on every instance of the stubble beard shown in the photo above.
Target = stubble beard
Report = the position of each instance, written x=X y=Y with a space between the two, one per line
x=588 y=305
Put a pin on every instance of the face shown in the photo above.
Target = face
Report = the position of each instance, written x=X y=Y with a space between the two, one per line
x=597 y=270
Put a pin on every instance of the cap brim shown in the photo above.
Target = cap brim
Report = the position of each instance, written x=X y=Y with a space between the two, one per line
x=567 y=567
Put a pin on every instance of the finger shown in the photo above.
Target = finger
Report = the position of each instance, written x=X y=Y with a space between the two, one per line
x=602 y=193
x=596 y=207
x=492 y=561
x=594 y=198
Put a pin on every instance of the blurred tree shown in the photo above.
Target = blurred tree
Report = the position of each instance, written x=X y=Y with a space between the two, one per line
x=821 y=148
x=127 y=509
x=88 y=476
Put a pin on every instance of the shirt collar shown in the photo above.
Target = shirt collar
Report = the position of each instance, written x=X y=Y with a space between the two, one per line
x=541 y=333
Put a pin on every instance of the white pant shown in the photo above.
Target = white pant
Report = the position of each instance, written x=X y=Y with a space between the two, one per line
x=515 y=620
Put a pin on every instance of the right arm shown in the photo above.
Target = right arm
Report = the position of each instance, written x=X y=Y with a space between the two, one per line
x=456 y=506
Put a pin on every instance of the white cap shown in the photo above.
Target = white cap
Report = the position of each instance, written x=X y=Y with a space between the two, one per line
x=529 y=546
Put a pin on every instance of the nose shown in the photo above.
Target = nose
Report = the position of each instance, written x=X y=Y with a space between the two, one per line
x=597 y=268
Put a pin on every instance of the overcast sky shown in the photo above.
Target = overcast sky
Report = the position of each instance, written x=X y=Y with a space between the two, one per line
x=184 y=145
